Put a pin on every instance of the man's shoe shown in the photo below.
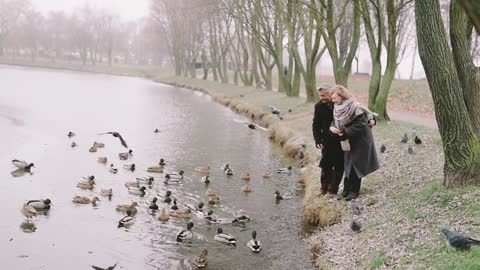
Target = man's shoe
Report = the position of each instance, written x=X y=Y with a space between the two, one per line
x=351 y=196
x=345 y=193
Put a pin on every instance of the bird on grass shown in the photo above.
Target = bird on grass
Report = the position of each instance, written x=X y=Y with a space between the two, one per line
x=117 y=135
x=254 y=244
x=185 y=235
x=417 y=140
x=410 y=150
x=459 y=241
x=355 y=209
x=383 y=148
x=404 y=138
x=355 y=226
x=274 y=110
x=201 y=261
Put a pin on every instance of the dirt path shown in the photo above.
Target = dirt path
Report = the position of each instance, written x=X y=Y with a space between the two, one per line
x=414 y=118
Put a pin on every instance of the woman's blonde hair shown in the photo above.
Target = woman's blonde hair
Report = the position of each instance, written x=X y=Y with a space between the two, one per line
x=341 y=91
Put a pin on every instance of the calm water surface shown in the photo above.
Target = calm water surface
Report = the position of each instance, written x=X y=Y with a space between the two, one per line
x=38 y=108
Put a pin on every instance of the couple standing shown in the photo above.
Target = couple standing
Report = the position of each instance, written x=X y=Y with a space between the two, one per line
x=342 y=130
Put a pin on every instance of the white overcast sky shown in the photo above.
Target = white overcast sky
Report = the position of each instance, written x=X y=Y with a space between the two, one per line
x=128 y=9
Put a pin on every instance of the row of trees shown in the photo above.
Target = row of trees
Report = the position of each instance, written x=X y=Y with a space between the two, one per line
x=88 y=35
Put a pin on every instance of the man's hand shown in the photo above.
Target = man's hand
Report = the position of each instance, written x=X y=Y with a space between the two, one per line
x=319 y=146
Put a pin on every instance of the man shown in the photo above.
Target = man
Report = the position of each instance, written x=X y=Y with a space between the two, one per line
x=332 y=162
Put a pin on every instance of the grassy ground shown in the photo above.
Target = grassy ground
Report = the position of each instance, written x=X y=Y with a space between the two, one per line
x=403 y=206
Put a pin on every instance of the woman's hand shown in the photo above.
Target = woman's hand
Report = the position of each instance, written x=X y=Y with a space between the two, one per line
x=335 y=130
x=372 y=123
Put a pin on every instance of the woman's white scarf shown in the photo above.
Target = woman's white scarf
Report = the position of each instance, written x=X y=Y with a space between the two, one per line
x=343 y=113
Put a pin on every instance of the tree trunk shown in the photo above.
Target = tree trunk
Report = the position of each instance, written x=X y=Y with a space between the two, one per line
x=460 y=142
x=413 y=60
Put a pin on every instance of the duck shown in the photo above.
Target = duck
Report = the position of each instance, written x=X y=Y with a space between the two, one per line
x=126 y=155
x=23 y=165
x=106 y=192
x=225 y=237
x=228 y=172
x=155 y=169
x=210 y=193
x=98 y=145
x=254 y=244
x=267 y=175
x=287 y=170
x=156 y=130
x=241 y=217
x=146 y=180
x=194 y=208
x=214 y=200
x=164 y=217
x=71 y=134
x=162 y=162
x=169 y=181
x=85 y=200
x=113 y=169
x=203 y=169
x=137 y=191
x=88 y=178
x=174 y=206
x=29 y=212
x=86 y=185
x=225 y=166
x=247 y=188
x=73 y=145
x=92 y=149
x=102 y=160
x=282 y=197
x=125 y=207
x=206 y=179
x=185 y=235
x=201 y=261
x=167 y=198
x=130 y=167
x=127 y=220
x=176 y=175
x=245 y=177
x=39 y=204
x=187 y=213
x=153 y=205
x=133 y=184
x=215 y=220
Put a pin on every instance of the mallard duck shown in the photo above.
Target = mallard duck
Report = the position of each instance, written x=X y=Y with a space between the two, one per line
x=162 y=162
x=254 y=244
x=187 y=213
x=133 y=184
x=88 y=178
x=112 y=169
x=106 y=192
x=156 y=130
x=102 y=160
x=167 y=198
x=164 y=217
x=201 y=261
x=130 y=167
x=85 y=200
x=206 y=179
x=86 y=185
x=241 y=217
x=174 y=206
x=98 y=145
x=225 y=166
x=267 y=175
x=70 y=134
x=216 y=220
x=176 y=175
x=225 y=238
x=28 y=212
x=194 y=208
x=23 y=165
x=203 y=169
x=155 y=169
x=73 y=145
x=117 y=135
x=214 y=200
x=126 y=155
x=92 y=149
x=125 y=207
x=247 y=188
x=169 y=181
x=228 y=172
x=153 y=205
x=283 y=196
x=210 y=193
x=127 y=220
x=39 y=204
x=245 y=176
x=146 y=180
x=287 y=170
x=137 y=191
x=185 y=235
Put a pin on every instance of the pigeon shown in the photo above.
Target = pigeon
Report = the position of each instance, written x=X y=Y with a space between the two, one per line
x=355 y=226
x=274 y=110
x=355 y=209
x=410 y=150
x=117 y=135
x=404 y=138
x=417 y=140
x=458 y=240
x=414 y=132
x=383 y=148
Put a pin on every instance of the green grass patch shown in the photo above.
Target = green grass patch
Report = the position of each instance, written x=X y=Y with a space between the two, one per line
x=379 y=260
x=444 y=257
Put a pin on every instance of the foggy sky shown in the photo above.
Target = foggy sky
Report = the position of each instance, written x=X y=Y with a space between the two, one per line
x=127 y=9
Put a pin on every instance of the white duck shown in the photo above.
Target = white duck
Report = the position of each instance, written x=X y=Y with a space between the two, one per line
x=225 y=238
x=254 y=244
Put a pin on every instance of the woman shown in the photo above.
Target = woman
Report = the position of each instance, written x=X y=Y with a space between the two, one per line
x=361 y=159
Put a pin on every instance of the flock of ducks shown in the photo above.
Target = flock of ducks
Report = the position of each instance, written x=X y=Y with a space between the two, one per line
x=138 y=188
